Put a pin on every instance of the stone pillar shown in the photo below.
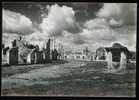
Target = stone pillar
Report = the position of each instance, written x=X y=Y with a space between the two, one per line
x=97 y=58
x=29 y=58
x=43 y=55
x=35 y=57
x=109 y=62
x=123 y=61
x=8 y=57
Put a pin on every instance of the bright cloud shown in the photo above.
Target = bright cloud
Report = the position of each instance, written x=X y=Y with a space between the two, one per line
x=13 y=22
x=59 y=19
x=125 y=13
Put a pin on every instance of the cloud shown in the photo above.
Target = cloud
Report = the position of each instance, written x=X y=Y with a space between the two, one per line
x=13 y=22
x=78 y=39
x=91 y=38
x=102 y=32
x=36 y=36
x=97 y=23
x=100 y=35
x=125 y=13
x=86 y=10
x=112 y=23
x=127 y=35
x=98 y=29
x=59 y=19
x=98 y=32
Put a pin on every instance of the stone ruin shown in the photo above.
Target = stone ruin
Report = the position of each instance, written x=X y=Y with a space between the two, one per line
x=122 y=66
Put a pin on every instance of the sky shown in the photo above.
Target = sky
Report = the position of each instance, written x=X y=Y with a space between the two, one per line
x=74 y=24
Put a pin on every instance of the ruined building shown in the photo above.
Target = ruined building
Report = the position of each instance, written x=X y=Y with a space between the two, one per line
x=116 y=50
x=10 y=55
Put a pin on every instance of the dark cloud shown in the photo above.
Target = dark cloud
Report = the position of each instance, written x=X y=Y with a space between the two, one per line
x=28 y=9
x=85 y=10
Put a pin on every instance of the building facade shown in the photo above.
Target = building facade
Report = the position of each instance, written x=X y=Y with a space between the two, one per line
x=79 y=55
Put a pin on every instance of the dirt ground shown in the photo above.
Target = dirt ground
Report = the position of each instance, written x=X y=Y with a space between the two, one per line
x=68 y=79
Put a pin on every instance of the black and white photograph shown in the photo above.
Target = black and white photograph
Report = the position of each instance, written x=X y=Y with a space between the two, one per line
x=69 y=49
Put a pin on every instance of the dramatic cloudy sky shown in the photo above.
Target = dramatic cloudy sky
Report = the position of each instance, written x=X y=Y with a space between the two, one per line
x=73 y=24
